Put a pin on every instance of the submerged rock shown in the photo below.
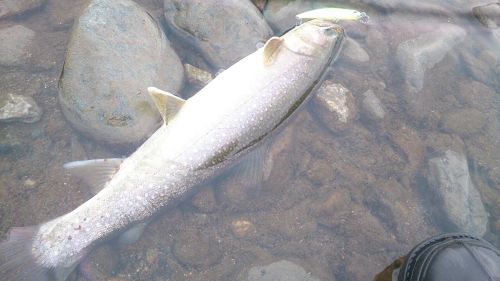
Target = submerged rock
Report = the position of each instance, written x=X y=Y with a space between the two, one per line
x=464 y=122
x=196 y=249
x=279 y=271
x=335 y=106
x=19 y=108
x=372 y=106
x=15 y=44
x=488 y=15
x=16 y=7
x=116 y=51
x=450 y=180
x=223 y=31
x=354 y=53
x=417 y=55
x=197 y=76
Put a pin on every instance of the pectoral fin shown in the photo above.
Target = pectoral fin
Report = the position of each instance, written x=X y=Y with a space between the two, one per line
x=271 y=49
x=94 y=172
x=167 y=104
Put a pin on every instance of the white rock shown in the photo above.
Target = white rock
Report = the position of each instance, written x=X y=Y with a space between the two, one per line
x=19 y=108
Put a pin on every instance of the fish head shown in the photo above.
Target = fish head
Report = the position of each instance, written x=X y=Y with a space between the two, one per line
x=314 y=37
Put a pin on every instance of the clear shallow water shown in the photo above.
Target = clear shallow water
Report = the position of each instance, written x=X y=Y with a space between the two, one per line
x=341 y=199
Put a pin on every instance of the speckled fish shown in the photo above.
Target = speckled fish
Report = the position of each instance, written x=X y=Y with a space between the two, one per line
x=334 y=14
x=201 y=136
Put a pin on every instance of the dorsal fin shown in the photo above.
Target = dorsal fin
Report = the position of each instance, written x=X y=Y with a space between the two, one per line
x=167 y=104
x=94 y=172
x=270 y=49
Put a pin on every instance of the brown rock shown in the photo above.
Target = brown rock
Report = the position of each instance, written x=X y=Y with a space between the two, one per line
x=193 y=248
x=464 y=122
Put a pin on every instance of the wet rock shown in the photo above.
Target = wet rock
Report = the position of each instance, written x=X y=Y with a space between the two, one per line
x=353 y=52
x=19 y=108
x=488 y=15
x=335 y=106
x=241 y=228
x=196 y=249
x=15 y=45
x=449 y=179
x=116 y=51
x=417 y=55
x=235 y=28
x=204 y=201
x=16 y=7
x=197 y=76
x=464 y=122
x=279 y=271
x=372 y=106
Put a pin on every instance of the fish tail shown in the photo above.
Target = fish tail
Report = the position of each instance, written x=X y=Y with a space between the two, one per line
x=16 y=259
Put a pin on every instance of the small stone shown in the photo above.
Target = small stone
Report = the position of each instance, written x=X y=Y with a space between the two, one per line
x=354 y=53
x=29 y=183
x=241 y=228
x=450 y=180
x=15 y=44
x=19 y=108
x=335 y=106
x=372 y=106
x=197 y=76
x=193 y=248
x=488 y=15
x=279 y=271
x=464 y=122
x=16 y=7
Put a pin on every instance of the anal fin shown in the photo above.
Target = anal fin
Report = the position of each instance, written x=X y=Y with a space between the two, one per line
x=94 y=172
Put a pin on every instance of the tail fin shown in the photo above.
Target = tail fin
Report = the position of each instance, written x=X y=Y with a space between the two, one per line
x=16 y=259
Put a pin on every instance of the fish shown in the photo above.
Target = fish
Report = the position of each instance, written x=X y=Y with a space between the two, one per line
x=334 y=14
x=199 y=138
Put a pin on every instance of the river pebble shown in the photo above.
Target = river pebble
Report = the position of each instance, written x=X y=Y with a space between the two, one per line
x=372 y=106
x=15 y=45
x=19 y=108
x=103 y=88
x=449 y=179
x=335 y=106
x=279 y=271
x=16 y=7
x=353 y=52
x=235 y=28
x=196 y=249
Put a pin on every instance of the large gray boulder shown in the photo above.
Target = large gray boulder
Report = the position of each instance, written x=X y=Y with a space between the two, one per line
x=116 y=51
x=450 y=180
x=223 y=31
